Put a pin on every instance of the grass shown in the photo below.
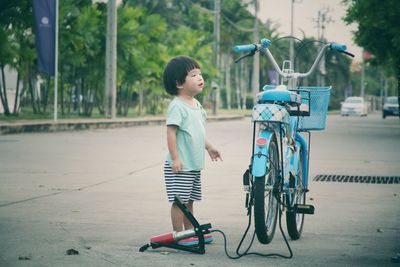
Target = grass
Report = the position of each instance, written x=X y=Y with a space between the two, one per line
x=27 y=114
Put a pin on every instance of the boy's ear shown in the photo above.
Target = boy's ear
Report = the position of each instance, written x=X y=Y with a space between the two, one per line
x=179 y=86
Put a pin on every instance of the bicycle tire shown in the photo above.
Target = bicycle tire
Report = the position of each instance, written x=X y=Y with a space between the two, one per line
x=295 y=221
x=265 y=202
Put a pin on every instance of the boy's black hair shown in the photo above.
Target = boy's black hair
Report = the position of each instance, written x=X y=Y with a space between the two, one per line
x=176 y=71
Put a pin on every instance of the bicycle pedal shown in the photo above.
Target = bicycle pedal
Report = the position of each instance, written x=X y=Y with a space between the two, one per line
x=304 y=209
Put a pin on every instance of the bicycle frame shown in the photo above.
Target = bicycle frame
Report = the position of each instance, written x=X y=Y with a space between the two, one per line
x=288 y=156
x=283 y=129
x=289 y=140
x=280 y=154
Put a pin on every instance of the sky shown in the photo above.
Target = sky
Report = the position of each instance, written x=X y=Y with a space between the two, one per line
x=304 y=12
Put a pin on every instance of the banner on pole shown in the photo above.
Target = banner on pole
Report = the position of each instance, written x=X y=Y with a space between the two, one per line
x=273 y=77
x=44 y=13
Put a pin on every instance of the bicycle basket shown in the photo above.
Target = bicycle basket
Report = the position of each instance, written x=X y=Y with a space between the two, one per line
x=319 y=101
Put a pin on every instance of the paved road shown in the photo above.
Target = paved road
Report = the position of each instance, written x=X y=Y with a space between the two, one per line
x=101 y=192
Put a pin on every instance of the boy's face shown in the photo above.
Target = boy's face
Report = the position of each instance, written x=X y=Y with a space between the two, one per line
x=193 y=84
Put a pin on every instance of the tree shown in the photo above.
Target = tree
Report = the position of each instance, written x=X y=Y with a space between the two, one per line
x=378 y=31
x=17 y=51
x=141 y=55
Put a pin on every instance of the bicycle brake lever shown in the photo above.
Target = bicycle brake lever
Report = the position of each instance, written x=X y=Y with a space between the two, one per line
x=252 y=53
x=348 y=53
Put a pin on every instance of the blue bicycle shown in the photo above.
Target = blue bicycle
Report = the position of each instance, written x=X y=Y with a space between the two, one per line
x=277 y=179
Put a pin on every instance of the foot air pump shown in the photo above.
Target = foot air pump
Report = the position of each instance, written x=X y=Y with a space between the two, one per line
x=169 y=239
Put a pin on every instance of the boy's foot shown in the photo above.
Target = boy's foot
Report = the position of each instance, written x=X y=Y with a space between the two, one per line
x=194 y=241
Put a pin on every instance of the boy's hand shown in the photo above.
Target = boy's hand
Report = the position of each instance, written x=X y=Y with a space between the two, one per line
x=214 y=154
x=176 y=165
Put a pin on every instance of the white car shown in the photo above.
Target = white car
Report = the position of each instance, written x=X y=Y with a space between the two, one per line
x=354 y=105
x=391 y=107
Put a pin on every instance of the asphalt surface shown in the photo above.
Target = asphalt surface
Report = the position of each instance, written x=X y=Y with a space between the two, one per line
x=101 y=193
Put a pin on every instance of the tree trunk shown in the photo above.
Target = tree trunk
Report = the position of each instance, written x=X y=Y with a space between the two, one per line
x=141 y=99
x=32 y=93
x=77 y=98
x=119 y=100
x=398 y=84
x=17 y=96
x=245 y=77
x=228 y=78
x=3 y=92
x=237 y=84
x=99 y=102
x=62 y=94
x=90 y=98
x=45 y=99
x=84 y=96
x=128 y=101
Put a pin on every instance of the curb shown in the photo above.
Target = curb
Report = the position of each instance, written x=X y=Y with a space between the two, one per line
x=89 y=124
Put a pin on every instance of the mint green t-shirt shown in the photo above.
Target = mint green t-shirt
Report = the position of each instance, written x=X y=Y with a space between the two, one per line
x=190 y=135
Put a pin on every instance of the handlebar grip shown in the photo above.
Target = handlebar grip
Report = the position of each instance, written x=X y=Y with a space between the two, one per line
x=338 y=47
x=265 y=43
x=244 y=48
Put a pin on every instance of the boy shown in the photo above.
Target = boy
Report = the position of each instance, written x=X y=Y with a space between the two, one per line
x=186 y=139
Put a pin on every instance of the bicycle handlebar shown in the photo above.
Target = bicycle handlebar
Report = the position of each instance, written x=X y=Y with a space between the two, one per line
x=338 y=47
x=265 y=43
x=244 y=48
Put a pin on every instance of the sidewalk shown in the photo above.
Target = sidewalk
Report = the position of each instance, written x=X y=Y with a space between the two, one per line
x=29 y=126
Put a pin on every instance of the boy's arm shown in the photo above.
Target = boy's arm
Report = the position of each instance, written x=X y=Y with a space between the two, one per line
x=171 y=141
x=214 y=153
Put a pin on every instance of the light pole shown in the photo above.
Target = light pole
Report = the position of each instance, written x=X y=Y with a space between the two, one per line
x=255 y=81
x=321 y=21
x=214 y=86
x=111 y=61
x=291 y=48
x=56 y=64
x=291 y=44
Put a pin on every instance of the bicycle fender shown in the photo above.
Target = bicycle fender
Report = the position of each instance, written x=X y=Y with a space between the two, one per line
x=294 y=162
x=304 y=149
x=259 y=161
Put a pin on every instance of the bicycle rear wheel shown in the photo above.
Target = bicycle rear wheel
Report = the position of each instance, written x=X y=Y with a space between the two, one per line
x=295 y=221
x=265 y=201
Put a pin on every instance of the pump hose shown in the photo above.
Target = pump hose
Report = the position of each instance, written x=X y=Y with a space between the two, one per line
x=246 y=252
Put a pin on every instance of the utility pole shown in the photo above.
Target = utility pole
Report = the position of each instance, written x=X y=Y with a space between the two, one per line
x=214 y=84
x=321 y=21
x=291 y=44
x=56 y=64
x=255 y=81
x=111 y=61
x=291 y=48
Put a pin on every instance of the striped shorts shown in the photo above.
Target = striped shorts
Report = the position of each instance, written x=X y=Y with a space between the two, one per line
x=186 y=184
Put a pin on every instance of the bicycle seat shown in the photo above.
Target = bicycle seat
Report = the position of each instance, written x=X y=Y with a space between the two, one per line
x=279 y=94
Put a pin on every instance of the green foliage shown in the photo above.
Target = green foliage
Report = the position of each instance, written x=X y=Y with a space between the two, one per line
x=150 y=33
x=378 y=29
x=378 y=32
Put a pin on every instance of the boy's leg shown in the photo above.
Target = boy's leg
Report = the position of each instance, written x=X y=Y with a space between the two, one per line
x=179 y=219
x=176 y=218
x=195 y=194
x=188 y=225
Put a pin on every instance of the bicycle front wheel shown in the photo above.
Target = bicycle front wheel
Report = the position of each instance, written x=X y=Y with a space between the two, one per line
x=265 y=201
